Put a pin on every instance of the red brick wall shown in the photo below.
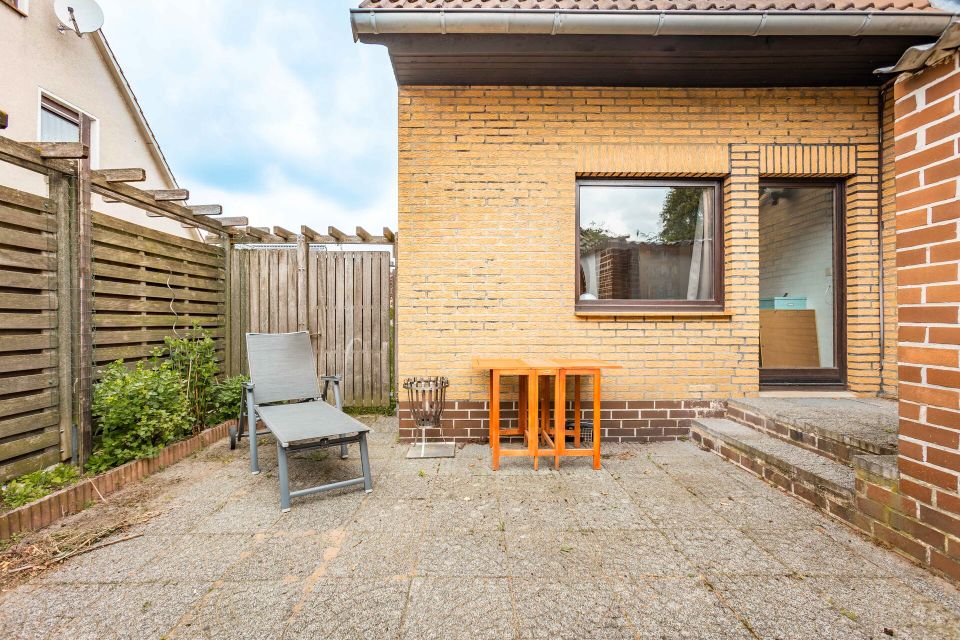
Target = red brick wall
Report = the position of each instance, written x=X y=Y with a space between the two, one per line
x=927 y=134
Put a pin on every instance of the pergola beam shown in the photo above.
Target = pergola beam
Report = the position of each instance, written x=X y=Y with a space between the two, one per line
x=364 y=235
x=162 y=195
x=121 y=175
x=61 y=150
x=389 y=235
x=137 y=198
x=285 y=234
x=337 y=235
x=21 y=155
x=206 y=209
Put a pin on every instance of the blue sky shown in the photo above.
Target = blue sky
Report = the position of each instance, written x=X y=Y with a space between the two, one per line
x=268 y=108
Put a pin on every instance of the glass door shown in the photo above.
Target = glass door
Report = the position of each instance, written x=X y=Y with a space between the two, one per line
x=802 y=327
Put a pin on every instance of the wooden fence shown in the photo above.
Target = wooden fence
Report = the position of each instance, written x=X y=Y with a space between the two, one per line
x=30 y=388
x=341 y=298
x=79 y=289
x=148 y=285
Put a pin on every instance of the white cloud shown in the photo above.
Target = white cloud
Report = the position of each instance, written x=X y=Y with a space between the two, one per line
x=253 y=101
x=287 y=204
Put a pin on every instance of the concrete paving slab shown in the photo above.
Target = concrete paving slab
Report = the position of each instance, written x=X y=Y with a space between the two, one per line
x=582 y=608
x=725 y=552
x=665 y=542
x=257 y=610
x=459 y=609
x=626 y=555
x=463 y=553
x=552 y=554
x=878 y=605
x=195 y=558
x=678 y=607
x=350 y=609
x=784 y=607
x=377 y=554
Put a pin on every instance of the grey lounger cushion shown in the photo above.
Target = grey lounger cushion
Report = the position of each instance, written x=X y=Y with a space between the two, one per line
x=292 y=423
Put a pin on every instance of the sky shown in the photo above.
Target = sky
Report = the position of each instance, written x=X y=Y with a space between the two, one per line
x=268 y=108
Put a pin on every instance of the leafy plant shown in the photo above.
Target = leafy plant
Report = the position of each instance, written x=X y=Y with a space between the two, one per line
x=137 y=412
x=33 y=486
x=194 y=358
x=225 y=399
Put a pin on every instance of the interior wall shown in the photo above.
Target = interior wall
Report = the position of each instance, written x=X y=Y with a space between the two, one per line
x=796 y=251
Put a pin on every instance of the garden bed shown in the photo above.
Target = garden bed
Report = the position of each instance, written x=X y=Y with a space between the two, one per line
x=79 y=496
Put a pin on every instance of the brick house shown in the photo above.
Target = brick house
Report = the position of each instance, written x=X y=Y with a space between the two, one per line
x=724 y=202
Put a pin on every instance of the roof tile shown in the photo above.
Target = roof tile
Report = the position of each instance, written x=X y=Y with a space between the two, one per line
x=661 y=5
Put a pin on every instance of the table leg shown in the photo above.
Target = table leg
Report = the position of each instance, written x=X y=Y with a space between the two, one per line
x=596 y=419
x=522 y=407
x=544 y=406
x=495 y=418
x=533 y=435
x=576 y=411
x=559 y=418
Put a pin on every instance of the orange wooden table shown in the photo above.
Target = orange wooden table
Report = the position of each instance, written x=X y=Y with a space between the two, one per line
x=533 y=407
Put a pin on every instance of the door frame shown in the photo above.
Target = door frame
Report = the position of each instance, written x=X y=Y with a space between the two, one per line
x=829 y=376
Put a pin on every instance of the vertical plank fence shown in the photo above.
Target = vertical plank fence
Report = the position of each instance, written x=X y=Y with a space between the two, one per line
x=341 y=298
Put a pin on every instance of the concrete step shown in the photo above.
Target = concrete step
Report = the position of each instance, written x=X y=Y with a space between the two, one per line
x=836 y=428
x=824 y=483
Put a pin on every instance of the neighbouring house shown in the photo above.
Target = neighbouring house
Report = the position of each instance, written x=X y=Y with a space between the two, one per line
x=726 y=201
x=58 y=87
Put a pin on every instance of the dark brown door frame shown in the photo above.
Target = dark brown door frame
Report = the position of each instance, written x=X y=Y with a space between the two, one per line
x=836 y=375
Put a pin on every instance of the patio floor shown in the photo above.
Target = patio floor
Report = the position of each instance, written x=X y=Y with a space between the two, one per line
x=666 y=541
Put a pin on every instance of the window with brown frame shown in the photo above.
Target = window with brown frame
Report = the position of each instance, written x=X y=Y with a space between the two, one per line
x=649 y=245
x=59 y=123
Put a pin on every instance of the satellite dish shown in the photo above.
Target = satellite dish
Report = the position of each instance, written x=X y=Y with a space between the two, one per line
x=82 y=16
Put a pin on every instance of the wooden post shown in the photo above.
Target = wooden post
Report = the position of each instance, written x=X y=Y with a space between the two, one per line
x=228 y=333
x=60 y=193
x=84 y=307
x=303 y=253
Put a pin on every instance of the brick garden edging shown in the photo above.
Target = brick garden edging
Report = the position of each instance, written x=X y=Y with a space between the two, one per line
x=76 y=498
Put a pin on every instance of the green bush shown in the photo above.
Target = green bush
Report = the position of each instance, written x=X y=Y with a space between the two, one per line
x=194 y=358
x=137 y=412
x=225 y=399
x=36 y=485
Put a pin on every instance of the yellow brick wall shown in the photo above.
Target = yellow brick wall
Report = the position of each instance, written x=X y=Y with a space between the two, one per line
x=487 y=202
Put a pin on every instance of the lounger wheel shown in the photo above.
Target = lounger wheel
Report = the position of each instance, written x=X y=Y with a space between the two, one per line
x=233 y=438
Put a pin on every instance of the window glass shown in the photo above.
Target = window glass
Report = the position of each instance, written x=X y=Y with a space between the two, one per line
x=647 y=242
x=56 y=128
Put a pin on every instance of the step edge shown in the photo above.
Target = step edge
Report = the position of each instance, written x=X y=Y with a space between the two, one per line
x=862 y=446
x=846 y=492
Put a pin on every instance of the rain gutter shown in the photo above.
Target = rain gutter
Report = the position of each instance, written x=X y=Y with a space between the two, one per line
x=646 y=23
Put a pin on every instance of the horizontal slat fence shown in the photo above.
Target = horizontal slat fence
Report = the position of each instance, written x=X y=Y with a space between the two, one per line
x=149 y=285
x=30 y=434
x=341 y=298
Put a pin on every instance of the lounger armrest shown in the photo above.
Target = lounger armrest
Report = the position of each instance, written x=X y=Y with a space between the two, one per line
x=332 y=378
x=248 y=385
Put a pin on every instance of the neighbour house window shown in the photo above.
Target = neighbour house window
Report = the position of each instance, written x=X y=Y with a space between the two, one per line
x=58 y=123
x=649 y=246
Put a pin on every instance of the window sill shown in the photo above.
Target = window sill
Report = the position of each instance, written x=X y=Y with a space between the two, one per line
x=719 y=314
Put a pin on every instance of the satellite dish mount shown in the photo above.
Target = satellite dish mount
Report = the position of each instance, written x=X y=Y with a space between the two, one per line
x=79 y=16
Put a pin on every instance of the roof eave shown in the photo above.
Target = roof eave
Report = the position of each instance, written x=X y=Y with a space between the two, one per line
x=919 y=57
x=647 y=23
